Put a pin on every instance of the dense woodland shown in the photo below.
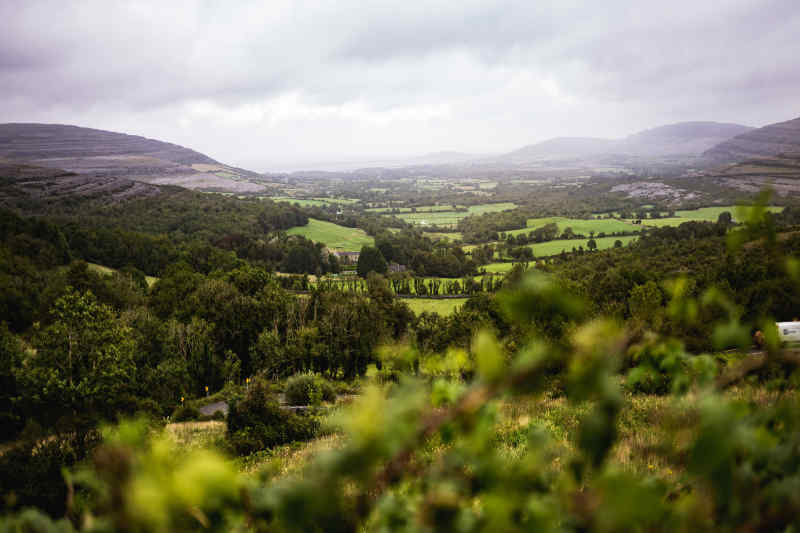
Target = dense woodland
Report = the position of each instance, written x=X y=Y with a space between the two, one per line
x=80 y=348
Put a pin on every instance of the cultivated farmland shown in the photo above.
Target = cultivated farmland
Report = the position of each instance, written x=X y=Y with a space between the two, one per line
x=578 y=225
x=443 y=306
x=333 y=235
x=546 y=249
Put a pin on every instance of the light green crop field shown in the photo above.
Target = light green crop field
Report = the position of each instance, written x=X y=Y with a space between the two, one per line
x=313 y=202
x=444 y=218
x=443 y=307
x=333 y=235
x=709 y=214
x=450 y=218
x=579 y=225
x=421 y=209
x=108 y=271
x=302 y=202
x=546 y=249
x=497 y=268
x=454 y=236
x=490 y=208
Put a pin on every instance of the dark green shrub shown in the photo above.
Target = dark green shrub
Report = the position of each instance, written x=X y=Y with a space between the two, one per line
x=308 y=389
x=31 y=472
x=388 y=375
x=185 y=413
x=257 y=422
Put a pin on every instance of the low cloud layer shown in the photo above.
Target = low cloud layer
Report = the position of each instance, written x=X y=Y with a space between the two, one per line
x=269 y=85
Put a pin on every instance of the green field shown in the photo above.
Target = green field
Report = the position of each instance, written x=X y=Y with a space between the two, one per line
x=496 y=268
x=454 y=236
x=444 y=306
x=312 y=202
x=422 y=209
x=579 y=225
x=709 y=214
x=451 y=218
x=490 y=208
x=108 y=271
x=546 y=249
x=334 y=236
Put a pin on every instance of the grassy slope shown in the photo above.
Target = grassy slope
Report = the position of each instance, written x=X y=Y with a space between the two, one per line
x=108 y=271
x=334 y=236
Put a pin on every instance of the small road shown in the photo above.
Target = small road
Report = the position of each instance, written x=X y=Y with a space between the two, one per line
x=212 y=408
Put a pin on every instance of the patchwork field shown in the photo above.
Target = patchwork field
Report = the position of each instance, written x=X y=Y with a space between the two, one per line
x=312 y=202
x=579 y=225
x=454 y=236
x=546 y=249
x=423 y=209
x=451 y=218
x=444 y=307
x=333 y=235
x=496 y=268
x=709 y=214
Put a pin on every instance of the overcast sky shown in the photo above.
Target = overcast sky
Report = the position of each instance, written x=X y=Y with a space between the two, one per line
x=274 y=85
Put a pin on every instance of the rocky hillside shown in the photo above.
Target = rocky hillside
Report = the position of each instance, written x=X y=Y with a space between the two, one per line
x=103 y=153
x=39 y=190
x=781 y=140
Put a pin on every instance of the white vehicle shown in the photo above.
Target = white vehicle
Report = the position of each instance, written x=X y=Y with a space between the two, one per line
x=789 y=332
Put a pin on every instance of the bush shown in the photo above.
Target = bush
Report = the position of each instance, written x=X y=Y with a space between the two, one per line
x=388 y=375
x=257 y=422
x=184 y=413
x=31 y=473
x=308 y=389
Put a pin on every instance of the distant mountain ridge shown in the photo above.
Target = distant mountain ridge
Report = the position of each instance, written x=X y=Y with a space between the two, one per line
x=773 y=140
x=558 y=148
x=33 y=142
x=688 y=139
x=106 y=153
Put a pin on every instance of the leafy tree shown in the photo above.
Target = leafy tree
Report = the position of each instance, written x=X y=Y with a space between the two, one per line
x=11 y=421
x=83 y=369
x=370 y=260
x=725 y=219
x=257 y=421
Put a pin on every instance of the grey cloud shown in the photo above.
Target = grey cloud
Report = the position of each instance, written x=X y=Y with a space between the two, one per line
x=354 y=77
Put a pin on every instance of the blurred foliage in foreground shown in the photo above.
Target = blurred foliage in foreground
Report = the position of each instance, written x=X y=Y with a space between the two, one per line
x=421 y=454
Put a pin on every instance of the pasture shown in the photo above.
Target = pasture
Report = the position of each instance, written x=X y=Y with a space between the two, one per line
x=703 y=214
x=547 y=249
x=312 y=202
x=451 y=218
x=496 y=268
x=443 y=307
x=450 y=236
x=579 y=225
x=334 y=236
x=421 y=209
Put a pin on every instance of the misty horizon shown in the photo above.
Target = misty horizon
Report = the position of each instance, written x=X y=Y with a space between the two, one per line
x=285 y=87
